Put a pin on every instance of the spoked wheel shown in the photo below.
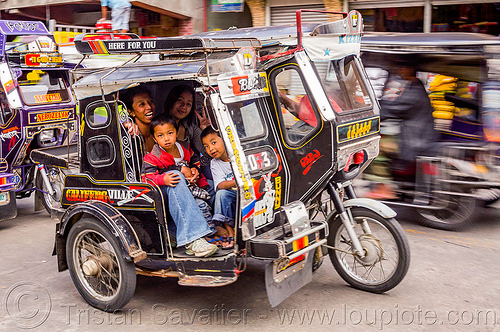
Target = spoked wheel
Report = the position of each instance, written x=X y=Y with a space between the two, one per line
x=387 y=253
x=456 y=212
x=56 y=178
x=99 y=271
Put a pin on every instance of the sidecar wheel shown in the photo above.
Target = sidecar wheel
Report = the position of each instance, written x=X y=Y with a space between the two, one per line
x=56 y=177
x=100 y=273
x=387 y=253
x=457 y=212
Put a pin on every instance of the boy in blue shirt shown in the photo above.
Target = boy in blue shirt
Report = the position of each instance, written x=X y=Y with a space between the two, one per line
x=224 y=184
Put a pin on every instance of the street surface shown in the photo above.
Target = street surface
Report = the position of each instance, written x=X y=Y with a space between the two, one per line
x=453 y=284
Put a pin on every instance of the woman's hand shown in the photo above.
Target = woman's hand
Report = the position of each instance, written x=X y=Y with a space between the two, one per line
x=132 y=128
x=195 y=174
x=203 y=118
x=171 y=179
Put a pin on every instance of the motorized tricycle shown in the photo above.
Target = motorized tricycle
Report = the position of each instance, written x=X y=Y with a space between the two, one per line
x=37 y=111
x=461 y=73
x=295 y=200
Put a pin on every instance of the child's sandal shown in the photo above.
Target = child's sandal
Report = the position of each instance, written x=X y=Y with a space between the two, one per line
x=230 y=242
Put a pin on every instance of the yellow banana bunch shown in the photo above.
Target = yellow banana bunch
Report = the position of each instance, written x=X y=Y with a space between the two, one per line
x=445 y=108
x=443 y=115
x=444 y=87
x=436 y=95
x=439 y=102
x=442 y=79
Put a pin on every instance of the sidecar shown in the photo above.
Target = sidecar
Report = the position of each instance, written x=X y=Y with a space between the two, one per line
x=37 y=111
x=293 y=173
x=465 y=171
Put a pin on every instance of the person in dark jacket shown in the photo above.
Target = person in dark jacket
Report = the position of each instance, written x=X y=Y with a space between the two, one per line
x=413 y=108
x=407 y=102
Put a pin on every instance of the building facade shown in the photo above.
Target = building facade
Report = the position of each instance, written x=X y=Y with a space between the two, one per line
x=148 y=17
x=402 y=15
x=173 y=18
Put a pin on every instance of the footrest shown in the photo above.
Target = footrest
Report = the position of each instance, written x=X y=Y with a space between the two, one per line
x=207 y=272
x=273 y=244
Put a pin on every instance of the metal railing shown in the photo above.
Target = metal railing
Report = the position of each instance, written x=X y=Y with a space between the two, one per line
x=66 y=33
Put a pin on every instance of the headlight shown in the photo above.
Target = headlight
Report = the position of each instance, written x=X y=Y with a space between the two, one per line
x=47 y=135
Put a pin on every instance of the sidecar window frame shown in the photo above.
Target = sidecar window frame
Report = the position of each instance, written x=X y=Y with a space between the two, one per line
x=241 y=126
x=342 y=101
x=51 y=83
x=6 y=111
x=103 y=159
x=285 y=132
x=90 y=115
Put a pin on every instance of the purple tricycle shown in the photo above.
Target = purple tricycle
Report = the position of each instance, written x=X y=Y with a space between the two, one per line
x=37 y=111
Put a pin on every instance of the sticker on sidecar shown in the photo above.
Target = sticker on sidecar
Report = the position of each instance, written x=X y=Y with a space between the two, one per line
x=248 y=85
x=120 y=197
x=42 y=117
x=358 y=129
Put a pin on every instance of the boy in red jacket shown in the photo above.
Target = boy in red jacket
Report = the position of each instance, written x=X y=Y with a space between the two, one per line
x=168 y=166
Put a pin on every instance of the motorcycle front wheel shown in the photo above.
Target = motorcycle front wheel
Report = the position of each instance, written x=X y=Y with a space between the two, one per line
x=456 y=213
x=387 y=252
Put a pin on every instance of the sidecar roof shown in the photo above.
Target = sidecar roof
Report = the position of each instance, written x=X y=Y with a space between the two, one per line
x=427 y=43
x=268 y=36
x=458 y=54
x=125 y=76
x=187 y=57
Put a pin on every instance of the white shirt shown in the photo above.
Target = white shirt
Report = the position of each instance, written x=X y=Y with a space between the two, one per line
x=221 y=171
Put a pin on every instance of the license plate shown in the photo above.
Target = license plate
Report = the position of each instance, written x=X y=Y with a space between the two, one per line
x=4 y=198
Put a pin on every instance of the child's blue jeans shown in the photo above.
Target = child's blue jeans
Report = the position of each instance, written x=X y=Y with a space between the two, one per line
x=189 y=222
x=224 y=207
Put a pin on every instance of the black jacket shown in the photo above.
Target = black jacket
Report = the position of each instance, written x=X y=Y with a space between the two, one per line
x=414 y=108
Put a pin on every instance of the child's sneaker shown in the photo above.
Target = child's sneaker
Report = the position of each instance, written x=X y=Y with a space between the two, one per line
x=201 y=248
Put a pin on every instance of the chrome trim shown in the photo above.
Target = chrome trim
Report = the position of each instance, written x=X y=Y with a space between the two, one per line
x=305 y=233
x=306 y=249
x=369 y=144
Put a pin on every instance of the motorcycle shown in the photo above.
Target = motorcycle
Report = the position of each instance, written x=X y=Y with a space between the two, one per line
x=460 y=71
x=295 y=204
x=37 y=111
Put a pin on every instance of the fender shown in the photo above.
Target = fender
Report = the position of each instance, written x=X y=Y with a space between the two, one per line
x=118 y=225
x=371 y=204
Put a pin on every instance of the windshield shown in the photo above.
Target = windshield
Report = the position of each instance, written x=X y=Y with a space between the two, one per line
x=343 y=84
x=43 y=87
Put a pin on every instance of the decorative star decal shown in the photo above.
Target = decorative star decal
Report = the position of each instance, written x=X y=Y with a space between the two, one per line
x=327 y=52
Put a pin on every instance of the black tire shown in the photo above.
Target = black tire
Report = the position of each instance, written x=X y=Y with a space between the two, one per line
x=387 y=252
x=491 y=197
x=455 y=214
x=56 y=177
x=112 y=283
x=318 y=259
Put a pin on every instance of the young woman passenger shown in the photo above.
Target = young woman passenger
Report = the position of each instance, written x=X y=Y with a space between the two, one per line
x=180 y=105
x=141 y=108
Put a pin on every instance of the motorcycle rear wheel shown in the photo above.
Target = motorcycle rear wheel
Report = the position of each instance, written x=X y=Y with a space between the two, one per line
x=97 y=266
x=387 y=252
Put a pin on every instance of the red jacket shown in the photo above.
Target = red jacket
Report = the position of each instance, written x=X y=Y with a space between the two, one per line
x=158 y=161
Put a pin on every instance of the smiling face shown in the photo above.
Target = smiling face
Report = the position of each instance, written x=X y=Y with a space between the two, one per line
x=182 y=106
x=165 y=135
x=143 y=108
x=214 y=146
